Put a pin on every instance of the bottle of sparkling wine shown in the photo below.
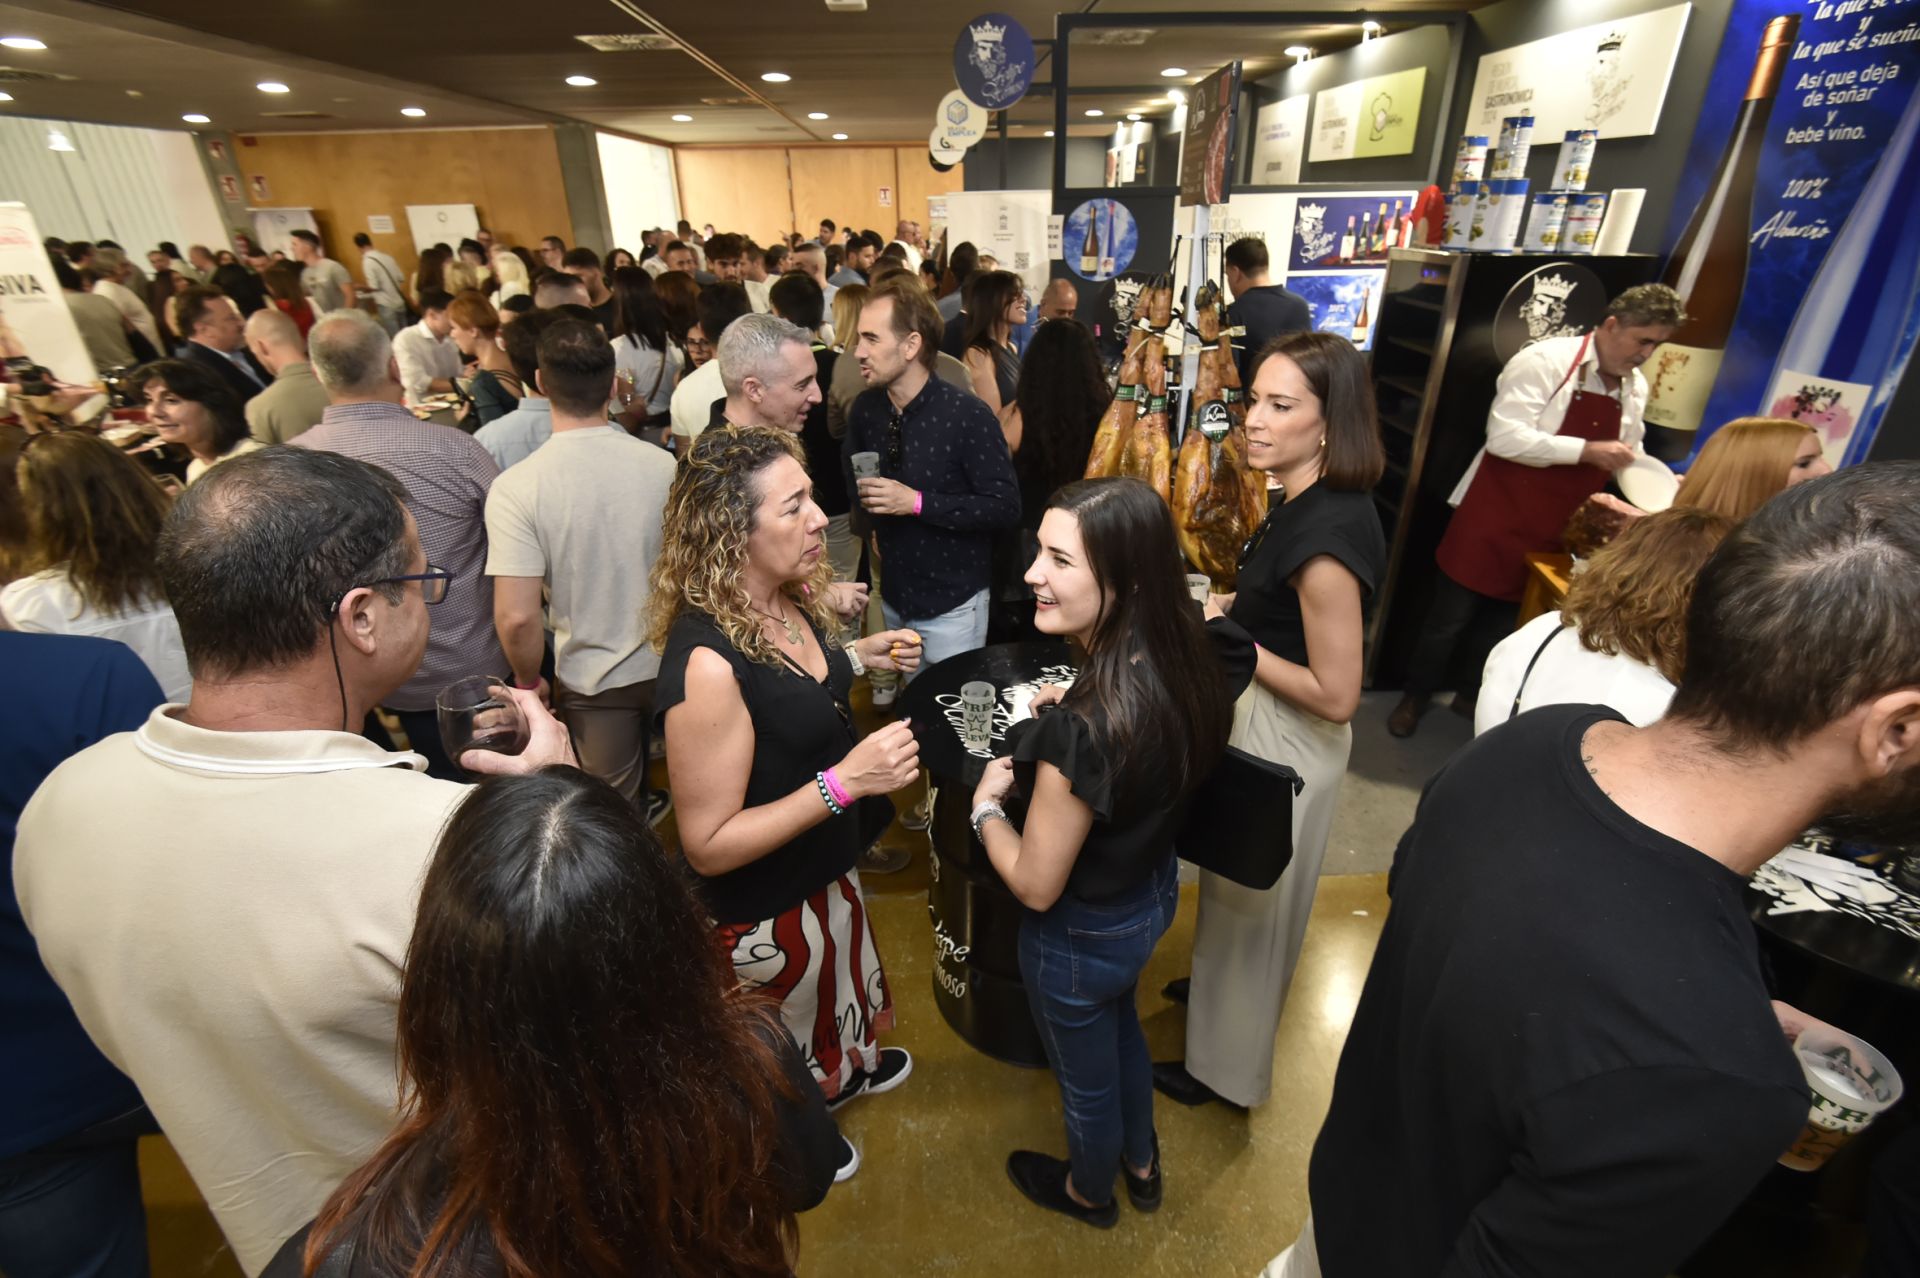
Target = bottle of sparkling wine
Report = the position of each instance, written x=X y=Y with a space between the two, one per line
x=1361 y=325
x=1709 y=264
x=1347 y=241
x=1090 y=243
x=1855 y=329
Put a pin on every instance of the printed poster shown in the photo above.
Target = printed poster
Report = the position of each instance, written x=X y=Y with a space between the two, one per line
x=1279 y=138
x=1207 y=148
x=1611 y=76
x=34 y=319
x=1322 y=225
x=1375 y=116
x=1338 y=301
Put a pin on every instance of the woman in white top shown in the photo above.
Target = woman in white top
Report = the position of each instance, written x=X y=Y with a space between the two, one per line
x=191 y=407
x=92 y=518
x=1620 y=639
x=648 y=367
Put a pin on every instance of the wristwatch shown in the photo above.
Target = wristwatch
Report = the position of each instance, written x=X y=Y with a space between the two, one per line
x=983 y=813
x=853 y=658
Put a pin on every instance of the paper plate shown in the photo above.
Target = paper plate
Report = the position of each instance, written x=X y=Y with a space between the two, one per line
x=1648 y=484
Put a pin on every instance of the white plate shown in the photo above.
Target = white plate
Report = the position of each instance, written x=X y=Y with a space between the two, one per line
x=1648 y=484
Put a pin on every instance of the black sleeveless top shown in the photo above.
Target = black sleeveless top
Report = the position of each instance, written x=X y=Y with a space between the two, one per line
x=800 y=727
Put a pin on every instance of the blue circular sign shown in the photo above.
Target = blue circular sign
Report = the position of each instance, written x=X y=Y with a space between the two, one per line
x=993 y=61
x=1100 y=239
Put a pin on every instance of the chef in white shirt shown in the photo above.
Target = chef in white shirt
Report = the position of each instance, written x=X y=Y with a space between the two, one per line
x=1569 y=412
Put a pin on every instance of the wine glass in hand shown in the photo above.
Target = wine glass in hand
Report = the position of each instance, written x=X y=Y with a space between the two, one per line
x=479 y=713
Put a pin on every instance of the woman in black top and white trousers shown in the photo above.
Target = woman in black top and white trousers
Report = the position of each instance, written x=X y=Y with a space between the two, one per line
x=1305 y=578
x=1106 y=773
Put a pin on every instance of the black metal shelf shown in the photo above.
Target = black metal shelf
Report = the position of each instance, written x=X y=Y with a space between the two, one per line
x=1405 y=385
x=1408 y=344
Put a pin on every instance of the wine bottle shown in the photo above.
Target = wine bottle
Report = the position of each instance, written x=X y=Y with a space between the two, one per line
x=1346 y=241
x=1090 y=244
x=1397 y=229
x=1380 y=232
x=1843 y=358
x=1709 y=264
x=1361 y=325
x=1364 y=246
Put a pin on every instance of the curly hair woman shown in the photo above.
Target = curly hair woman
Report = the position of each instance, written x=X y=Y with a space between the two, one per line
x=1628 y=611
x=776 y=797
x=92 y=518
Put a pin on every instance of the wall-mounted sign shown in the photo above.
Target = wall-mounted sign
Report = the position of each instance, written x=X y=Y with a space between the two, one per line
x=1279 y=139
x=1207 y=150
x=257 y=185
x=886 y=197
x=380 y=224
x=1100 y=239
x=230 y=188
x=993 y=61
x=1375 y=116
x=217 y=148
x=1611 y=76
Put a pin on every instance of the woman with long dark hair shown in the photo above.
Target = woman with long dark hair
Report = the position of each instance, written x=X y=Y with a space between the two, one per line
x=1105 y=775
x=996 y=305
x=430 y=276
x=1305 y=578
x=190 y=406
x=587 y=1090
x=641 y=347
x=92 y=517
x=679 y=307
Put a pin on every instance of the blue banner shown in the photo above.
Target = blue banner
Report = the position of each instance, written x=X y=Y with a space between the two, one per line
x=1827 y=318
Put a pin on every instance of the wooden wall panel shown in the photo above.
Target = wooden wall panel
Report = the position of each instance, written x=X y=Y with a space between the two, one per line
x=512 y=176
x=843 y=183
x=740 y=189
x=918 y=180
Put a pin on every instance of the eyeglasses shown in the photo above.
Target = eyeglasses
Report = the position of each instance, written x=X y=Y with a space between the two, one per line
x=434 y=583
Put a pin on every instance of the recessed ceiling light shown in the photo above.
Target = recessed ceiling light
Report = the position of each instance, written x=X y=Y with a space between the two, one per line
x=816 y=115
x=6 y=97
x=682 y=118
x=1172 y=72
x=1297 y=51
x=22 y=42
x=1371 y=25
x=197 y=118
x=272 y=86
x=582 y=81
x=1095 y=112
x=776 y=77
x=1176 y=96
x=413 y=112
x=135 y=93
x=1133 y=115
x=839 y=137
x=57 y=141
x=1049 y=133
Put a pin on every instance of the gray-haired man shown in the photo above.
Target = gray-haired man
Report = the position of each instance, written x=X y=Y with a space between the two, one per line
x=768 y=371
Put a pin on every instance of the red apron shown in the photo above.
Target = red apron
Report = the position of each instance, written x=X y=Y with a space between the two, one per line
x=1511 y=511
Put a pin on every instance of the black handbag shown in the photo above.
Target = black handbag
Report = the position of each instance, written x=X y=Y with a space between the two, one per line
x=1239 y=821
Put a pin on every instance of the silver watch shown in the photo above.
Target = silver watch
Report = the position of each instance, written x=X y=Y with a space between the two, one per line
x=983 y=813
x=853 y=658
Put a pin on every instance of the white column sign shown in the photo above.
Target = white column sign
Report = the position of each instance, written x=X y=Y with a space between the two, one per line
x=34 y=319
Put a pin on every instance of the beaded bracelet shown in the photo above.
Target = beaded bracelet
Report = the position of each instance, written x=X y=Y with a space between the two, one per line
x=826 y=796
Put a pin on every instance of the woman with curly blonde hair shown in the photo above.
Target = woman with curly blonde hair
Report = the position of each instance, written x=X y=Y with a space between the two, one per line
x=1627 y=609
x=776 y=797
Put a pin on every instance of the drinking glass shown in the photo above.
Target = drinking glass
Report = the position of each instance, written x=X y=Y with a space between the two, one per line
x=976 y=714
x=1198 y=584
x=479 y=713
x=623 y=388
x=866 y=465
x=1851 y=1084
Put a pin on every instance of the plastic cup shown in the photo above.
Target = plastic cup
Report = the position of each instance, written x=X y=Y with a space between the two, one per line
x=976 y=714
x=1851 y=1084
x=1198 y=584
x=866 y=465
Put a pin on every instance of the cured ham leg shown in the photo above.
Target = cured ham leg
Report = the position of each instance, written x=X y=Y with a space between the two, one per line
x=1116 y=424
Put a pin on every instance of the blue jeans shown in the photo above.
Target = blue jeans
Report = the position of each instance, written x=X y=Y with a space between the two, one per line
x=1081 y=964
x=74 y=1211
x=948 y=635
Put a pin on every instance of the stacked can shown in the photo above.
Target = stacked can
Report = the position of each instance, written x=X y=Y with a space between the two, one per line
x=1516 y=143
x=1496 y=216
x=1576 y=159
x=1460 y=206
x=1469 y=162
x=1546 y=221
x=1585 y=212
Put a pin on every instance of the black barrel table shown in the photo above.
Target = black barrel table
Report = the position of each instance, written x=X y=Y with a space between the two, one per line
x=976 y=919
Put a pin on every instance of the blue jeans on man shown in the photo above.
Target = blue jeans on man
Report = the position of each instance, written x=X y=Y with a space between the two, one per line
x=1081 y=963
x=964 y=629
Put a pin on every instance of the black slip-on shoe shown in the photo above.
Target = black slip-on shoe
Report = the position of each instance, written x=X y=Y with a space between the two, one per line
x=1043 y=1179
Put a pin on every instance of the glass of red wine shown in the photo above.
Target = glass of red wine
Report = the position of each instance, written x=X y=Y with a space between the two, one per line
x=479 y=713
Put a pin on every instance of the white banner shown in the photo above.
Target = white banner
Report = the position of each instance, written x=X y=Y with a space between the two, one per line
x=1279 y=133
x=1611 y=76
x=273 y=228
x=447 y=224
x=1010 y=225
x=34 y=319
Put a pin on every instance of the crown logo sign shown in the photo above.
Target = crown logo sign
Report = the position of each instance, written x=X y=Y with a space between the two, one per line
x=1554 y=286
x=988 y=33
x=1312 y=212
x=1613 y=41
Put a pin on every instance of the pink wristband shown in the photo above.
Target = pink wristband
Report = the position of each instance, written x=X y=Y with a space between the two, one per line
x=917 y=499
x=838 y=791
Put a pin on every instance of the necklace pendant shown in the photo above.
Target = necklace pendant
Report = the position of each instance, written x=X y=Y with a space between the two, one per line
x=793 y=630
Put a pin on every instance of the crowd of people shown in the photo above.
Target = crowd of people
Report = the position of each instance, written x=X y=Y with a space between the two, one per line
x=251 y=880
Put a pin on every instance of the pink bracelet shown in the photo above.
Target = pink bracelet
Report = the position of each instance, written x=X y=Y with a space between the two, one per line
x=839 y=792
x=917 y=499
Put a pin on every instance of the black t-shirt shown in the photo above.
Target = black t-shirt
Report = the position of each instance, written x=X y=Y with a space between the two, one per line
x=1132 y=833
x=1320 y=521
x=1564 y=1060
x=1265 y=313
x=608 y=313
x=801 y=727
x=823 y=450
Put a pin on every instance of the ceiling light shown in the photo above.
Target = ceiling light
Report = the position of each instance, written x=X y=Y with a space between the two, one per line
x=135 y=93
x=1094 y=113
x=271 y=86
x=1370 y=25
x=1297 y=51
x=57 y=141
x=582 y=81
x=6 y=97
x=1049 y=133
x=1173 y=72
x=21 y=42
x=682 y=118
x=197 y=118
x=816 y=115
x=1176 y=96
x=776 y=77
x=413 y=112
x=839 y=137
x=1133 y=115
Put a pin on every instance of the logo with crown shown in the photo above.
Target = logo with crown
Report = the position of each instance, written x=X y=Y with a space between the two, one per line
x=996 y=51
x=1613 y=42
x=988 y=32
x=1315 y=241
x=1556 y=288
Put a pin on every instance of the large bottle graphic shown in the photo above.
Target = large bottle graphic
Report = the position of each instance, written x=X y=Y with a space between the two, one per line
x=1090 y=245
x=1709 y=264
x=1856 y=327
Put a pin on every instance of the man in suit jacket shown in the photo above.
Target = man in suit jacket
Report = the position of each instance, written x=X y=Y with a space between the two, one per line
x=216 y=337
